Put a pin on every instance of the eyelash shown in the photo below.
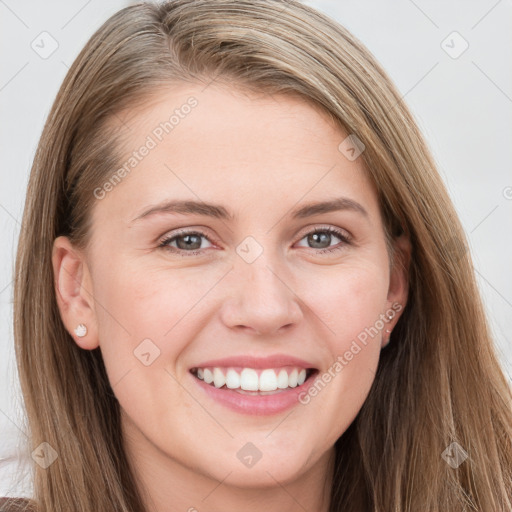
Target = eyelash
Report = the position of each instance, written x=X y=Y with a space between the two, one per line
x=341 y=235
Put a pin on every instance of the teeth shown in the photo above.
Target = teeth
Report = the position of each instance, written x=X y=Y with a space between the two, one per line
x=282 y=379
x=292 y=378
x=268 y=380
x=218 y=378
x=248 y=379
x=208 y=376
x=232 y=379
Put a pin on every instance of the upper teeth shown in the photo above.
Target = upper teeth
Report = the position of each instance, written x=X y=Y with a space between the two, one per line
x=249 y=380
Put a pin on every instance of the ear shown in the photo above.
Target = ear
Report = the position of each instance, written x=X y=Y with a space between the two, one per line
x=73 y=290
x=398 y=290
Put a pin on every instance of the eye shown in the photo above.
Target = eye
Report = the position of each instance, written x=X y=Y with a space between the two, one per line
x=321 y=236
x=186 y=241
x=189 y=243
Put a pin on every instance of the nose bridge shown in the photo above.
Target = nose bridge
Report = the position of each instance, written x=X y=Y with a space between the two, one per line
x=261 y=298
x=262 y=281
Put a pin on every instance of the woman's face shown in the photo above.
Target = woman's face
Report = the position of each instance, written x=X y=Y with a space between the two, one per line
x=204 y=256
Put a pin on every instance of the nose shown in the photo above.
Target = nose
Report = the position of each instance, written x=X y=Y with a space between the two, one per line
x=260 y=299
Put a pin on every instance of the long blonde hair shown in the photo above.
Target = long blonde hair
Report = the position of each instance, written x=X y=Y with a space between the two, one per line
x=438 y=381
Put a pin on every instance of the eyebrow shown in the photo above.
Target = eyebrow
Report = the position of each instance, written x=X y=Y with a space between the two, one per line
x=220 y=212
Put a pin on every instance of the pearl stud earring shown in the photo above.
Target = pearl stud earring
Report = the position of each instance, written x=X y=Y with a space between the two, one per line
x=81 y=330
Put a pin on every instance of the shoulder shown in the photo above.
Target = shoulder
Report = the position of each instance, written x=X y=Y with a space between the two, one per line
x=16 y=505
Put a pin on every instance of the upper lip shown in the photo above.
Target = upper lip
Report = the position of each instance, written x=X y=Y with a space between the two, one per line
x=274 y=361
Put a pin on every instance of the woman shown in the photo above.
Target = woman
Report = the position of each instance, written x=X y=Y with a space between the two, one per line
x=260 y=296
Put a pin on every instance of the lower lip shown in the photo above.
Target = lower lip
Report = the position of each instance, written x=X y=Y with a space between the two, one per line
x=259 y=405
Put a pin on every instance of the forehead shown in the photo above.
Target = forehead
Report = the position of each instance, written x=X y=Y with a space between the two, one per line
x=222 y=143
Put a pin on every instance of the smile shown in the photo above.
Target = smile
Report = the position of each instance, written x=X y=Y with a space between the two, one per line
x=254 y=391
x=252 y=379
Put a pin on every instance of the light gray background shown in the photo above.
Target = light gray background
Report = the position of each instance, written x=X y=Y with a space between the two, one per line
x=463 y=106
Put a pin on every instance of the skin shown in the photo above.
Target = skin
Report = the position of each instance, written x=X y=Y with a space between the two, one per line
x=260 y=157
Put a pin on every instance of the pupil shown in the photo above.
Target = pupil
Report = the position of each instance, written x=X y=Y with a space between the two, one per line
x=317 y=236
x=188 y=244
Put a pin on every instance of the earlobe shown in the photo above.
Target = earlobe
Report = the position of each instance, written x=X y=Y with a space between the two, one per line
x=73 y=293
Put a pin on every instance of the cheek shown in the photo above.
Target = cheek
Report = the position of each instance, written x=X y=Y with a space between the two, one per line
x=149 y=314
x=349 y=304
x=347 y=300
x=147 y=319
x=139 y=300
